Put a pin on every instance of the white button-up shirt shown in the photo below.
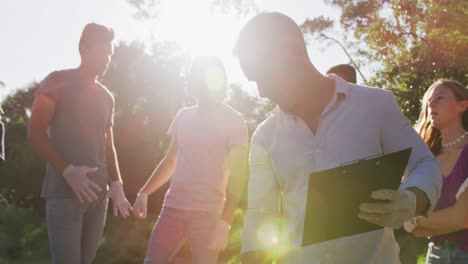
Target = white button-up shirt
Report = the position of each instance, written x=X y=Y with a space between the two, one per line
x=359 y=122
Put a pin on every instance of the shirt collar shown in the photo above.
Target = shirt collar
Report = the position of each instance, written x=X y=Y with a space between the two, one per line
x=341 y=90
x=341 y=86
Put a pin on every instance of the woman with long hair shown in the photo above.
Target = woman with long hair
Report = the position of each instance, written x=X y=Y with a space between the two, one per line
x=444 y=127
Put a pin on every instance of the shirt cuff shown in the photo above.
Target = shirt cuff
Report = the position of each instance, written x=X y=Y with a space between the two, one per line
x=424 y=183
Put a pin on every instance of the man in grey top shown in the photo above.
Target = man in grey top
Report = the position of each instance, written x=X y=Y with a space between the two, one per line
x=71 y=127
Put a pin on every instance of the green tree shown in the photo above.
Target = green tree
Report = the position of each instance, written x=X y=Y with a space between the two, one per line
x=254 y=109
x=21 y=175
x=147 y=9
x=410 y=43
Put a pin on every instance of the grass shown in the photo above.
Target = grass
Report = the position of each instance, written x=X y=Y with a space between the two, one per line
x=31 y=260
x=422 y=259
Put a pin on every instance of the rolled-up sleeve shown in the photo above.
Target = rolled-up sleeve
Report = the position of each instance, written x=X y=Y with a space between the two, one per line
x=423 y=171
x=263 y=209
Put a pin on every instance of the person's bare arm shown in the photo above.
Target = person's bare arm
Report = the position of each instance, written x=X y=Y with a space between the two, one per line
x=163 y=171
x=111 y=157
x=448 y=220
x=117 y=194
x=43 y=111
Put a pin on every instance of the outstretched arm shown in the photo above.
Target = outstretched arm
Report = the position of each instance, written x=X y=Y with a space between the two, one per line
x=163 y=171
x=448 y=220
x=160 y=175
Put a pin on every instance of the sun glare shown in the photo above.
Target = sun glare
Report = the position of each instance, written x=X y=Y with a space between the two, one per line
x=268 y=234
x=197 y=27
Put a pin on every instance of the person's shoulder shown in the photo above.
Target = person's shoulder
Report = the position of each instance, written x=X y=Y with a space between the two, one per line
x=186 y=110
x=369 y=91
x=372 y=97
x=54 y=84
x=231 y=112
x=57 y=78
x=264 y=131
x=228 y=109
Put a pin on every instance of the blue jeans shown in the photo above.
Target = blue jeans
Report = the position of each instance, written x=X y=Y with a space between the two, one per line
x=75 y=228
x=173 y=228
x=445 y=254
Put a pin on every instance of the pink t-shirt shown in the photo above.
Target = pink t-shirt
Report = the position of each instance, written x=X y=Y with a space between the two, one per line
x=204 y=139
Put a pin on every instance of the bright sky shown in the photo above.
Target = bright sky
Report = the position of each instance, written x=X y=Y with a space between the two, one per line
x=40 y=36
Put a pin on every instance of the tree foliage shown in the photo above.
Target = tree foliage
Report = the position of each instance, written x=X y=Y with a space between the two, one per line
x=148 y=9
x=21 y=176
x=411 y=43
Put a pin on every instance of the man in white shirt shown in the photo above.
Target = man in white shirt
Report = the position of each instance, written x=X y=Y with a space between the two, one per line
x=320 y=123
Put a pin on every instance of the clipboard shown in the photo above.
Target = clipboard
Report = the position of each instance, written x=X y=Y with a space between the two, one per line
x=334 y=196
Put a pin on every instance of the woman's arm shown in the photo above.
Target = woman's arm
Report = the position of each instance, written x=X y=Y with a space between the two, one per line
x=444 y=221
x=163 y=172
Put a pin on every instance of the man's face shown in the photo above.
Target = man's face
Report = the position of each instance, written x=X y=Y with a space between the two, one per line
x=98 y=56
x=271 y=78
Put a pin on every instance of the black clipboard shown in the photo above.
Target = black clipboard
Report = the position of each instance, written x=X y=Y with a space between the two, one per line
x=334 y=196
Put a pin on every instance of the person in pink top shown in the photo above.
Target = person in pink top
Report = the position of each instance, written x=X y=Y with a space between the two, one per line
x=208 y=149
x=444 y=127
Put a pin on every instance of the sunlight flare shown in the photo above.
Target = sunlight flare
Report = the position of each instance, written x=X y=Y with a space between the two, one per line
x=197 y=26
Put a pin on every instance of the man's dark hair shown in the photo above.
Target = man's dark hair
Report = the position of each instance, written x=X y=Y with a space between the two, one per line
x=94 y=33
x=266 y=32
x=345 y=71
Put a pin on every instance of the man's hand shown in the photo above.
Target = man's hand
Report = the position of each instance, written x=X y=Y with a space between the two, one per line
x=398 y=206
x=119 y=202
x=220 y=236
x=140 y=205
x=83 y=187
